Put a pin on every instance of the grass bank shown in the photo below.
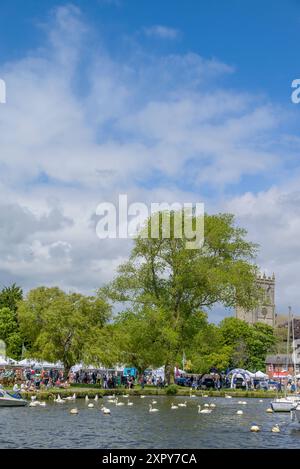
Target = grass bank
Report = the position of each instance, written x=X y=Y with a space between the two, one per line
x=86 y=390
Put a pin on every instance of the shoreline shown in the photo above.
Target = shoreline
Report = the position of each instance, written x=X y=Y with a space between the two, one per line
x=91 y=392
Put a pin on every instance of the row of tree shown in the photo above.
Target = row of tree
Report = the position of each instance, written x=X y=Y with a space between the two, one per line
x=162 y=294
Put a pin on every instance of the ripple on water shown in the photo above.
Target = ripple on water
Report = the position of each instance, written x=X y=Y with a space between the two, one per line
x=135 y=427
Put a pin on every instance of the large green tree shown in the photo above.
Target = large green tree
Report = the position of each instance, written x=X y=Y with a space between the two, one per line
x=61 y=326
x=177 y=283
x=249 y=343
x=9 y=326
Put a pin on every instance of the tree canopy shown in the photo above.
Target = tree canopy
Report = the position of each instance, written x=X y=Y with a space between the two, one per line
x=61 y=326
x=176 y=284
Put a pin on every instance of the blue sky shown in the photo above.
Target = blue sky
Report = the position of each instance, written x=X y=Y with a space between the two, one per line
x=165 y=101
x=258 y=38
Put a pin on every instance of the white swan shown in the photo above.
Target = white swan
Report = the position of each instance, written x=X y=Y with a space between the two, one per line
x=142 y=397
x=212 y=405
x=275 y=429
x=90 y=405
x=203 y=411
x=119 y=403
x=154 y=402
x=86 y=398
x=182 y=404
x=130 y=403
x=173 y=406
x=192 y=395
x=74 y=411
x=239 y=412
x=70 y=398
x=33 y=398
x=125 y=395
x=227 y=396
x=59 y=400
x=33 y=404
x=255 y=428
x=152 y=409
x=96 y=398
x=105 y=411
x=42 y=404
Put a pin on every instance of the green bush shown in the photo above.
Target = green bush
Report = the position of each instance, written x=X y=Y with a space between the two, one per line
x=171 y=390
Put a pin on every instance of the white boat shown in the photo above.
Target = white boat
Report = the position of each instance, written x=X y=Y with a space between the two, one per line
x=295 y=413
x=285 y=404
x=288 y=403
x=11 y=400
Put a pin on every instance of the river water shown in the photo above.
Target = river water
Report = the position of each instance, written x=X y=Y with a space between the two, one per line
x=134 y=427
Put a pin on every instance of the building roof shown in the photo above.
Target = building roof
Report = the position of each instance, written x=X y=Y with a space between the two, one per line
x=279 y=359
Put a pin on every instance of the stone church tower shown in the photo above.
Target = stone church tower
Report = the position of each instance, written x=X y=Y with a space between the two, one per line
x=265 y=311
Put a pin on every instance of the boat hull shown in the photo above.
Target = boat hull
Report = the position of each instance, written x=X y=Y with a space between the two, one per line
x=283 y=406
x=12 y=402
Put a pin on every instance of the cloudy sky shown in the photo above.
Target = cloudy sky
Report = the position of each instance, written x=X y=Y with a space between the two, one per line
x=168 y=101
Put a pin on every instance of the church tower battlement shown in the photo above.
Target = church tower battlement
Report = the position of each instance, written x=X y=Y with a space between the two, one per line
x=265 y=311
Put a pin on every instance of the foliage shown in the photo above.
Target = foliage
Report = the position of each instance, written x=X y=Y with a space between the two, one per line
x=10 y=296
x=9 y=327
x=172 y=390
x=249 y=343
x=61 y=326
x=172 y=284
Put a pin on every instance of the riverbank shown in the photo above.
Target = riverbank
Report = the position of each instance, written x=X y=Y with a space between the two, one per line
x=91 y=392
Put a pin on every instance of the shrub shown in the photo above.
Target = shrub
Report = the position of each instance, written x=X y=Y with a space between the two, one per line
x=171 y=390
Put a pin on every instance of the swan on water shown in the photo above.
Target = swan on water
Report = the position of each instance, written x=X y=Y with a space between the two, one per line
x=90 y=405
x=59 y=400
x=70 y=398
x=255 y=428
x=119 y=403
x=206 y=405
x=203 y=411
x=212 y=405
x=105 y=411
x=173 y=406
x=192 y=395
x=33 y=404
x=227 y=396
x=130 y=403
x=154 y=402
x=182 y=404
x=96 y=398
x=142 y=397
x=152 y=409
x=269 y=410
x=74 y=411
x=275 y=429
x=239 y=412
x=86 y=398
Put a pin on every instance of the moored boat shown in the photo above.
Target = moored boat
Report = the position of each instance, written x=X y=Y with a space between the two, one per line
x=284 y=404
x=11 y=400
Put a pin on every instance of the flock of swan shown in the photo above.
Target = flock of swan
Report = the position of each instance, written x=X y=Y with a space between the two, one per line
x=207 y=408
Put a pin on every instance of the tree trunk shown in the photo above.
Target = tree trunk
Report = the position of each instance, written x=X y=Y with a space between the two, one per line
x=169 y=374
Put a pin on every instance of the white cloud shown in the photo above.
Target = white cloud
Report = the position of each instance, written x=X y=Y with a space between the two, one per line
x=159 y=128
x=162 y=32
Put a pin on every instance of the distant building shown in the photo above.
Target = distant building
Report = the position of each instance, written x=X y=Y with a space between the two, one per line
x=280 y=366
x=265 y=311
